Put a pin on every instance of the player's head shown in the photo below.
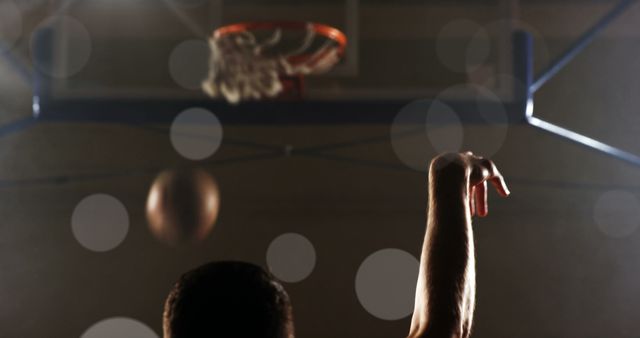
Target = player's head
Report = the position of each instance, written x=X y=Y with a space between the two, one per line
x=227 y=300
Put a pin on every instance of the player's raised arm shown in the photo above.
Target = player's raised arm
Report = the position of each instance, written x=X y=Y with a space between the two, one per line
x=445 y=295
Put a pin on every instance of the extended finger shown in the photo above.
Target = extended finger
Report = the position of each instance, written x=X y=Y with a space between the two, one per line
x=501 y=186
x=472 y=194
x=496 y=178
x=482 y=207
x=498 y=182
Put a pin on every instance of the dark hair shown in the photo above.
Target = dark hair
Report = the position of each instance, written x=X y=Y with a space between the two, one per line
x=227 y=300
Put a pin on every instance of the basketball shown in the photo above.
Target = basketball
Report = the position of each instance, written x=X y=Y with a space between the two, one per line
x=182 y=205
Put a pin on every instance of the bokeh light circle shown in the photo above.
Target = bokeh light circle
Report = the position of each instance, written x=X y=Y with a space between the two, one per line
x=444 y=128
x=462 y=45
x=196 y=133
x=291 y=257
x=506 y=85
x=100 y=222
x=188 y=63
x=502 y=29
x=76 y=41
x=424 y=128
x=478 y=52
x=617 y=213
x=119 y=327
x=386 y=283
x=487 y=136
x=409 y=138
x=11 y=25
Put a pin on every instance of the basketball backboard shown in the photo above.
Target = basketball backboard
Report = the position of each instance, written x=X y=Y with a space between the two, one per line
x=400 y=50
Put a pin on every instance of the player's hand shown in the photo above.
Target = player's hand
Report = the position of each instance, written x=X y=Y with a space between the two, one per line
x=475 y=172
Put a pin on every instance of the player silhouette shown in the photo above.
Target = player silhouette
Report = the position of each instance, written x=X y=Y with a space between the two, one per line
x=241 y=300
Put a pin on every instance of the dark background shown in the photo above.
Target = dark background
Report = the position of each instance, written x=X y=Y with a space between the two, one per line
x=545 y=267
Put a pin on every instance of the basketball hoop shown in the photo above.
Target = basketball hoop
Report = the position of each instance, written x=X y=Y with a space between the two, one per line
x=261 y=60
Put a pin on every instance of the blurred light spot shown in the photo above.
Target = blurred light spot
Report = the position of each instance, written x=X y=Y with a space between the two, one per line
x=188 y=63
x=196 y=133
x=10 y=25
x=478 y=50
x=409 y=138
x=35 y=105
x=291 y=257
x=488 y=135
x=100 y=222
x=617 y=213
x=505 y=84
x=444 y=128
x=386 y=284
x=119 y=327
x=71 y=47
x=502 y=29
x=462 y=45
x=424 y=128
x=489 y=138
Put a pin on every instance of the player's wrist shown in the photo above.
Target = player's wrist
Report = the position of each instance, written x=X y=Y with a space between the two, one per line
x=449 y=182
x=449 y=170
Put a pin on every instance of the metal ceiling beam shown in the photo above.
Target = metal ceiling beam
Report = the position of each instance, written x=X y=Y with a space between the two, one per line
x=580 y=44
x=555 y=67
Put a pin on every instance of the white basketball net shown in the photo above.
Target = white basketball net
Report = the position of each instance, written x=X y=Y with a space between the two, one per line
x=239 y=69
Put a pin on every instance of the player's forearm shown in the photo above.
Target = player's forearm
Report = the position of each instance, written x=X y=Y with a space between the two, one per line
x=446 y=285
